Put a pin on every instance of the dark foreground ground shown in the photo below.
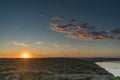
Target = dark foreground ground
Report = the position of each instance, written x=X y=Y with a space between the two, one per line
x=52 y=69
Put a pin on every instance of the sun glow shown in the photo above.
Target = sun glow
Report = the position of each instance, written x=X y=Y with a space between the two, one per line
x=25 y=55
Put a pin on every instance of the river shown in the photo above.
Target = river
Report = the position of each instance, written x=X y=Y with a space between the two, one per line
x=111 y=66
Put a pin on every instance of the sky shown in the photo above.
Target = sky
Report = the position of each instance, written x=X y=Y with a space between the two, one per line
x=59 y=28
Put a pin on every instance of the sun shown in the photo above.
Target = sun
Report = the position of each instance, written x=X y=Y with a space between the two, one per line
x=25 y=55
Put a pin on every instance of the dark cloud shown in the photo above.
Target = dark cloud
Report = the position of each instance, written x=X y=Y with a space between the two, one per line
x=81 y=31
x=115 y=31
x=118 y=38
x=71 y=20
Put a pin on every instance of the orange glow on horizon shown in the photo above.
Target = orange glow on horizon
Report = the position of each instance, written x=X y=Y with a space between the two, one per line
x=25 y=55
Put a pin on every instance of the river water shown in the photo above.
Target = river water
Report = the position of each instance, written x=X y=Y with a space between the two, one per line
x=111 y=66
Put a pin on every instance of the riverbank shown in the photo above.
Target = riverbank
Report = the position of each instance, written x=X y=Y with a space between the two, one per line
x=111 y=66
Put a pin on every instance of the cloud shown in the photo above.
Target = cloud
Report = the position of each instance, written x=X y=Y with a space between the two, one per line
x=67 y=45
x=83 y=31
x=71 y=20
x=58 y=18
x=39 y=43
x=58 y=28
x=115 y=31
x=19 y=44
x=62 y=45
x=119 y=38
x=56 y=45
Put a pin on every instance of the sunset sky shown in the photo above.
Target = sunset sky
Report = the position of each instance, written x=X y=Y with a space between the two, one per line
x=29 y=26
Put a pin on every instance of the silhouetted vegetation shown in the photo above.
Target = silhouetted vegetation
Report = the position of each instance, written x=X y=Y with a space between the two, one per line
x=52 y=69
x=101 y=59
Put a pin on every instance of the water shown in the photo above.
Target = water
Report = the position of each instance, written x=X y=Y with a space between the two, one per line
x=111 y=66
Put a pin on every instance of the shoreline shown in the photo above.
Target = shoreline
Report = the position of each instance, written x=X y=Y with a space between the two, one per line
x=111 y=66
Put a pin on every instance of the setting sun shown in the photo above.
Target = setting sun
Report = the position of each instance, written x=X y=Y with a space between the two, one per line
x=25 y=55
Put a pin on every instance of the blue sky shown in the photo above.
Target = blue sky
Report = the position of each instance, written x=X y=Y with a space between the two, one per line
x=24 y=23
